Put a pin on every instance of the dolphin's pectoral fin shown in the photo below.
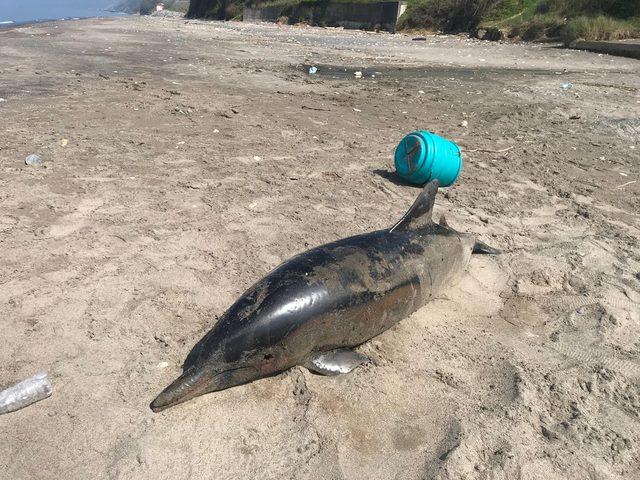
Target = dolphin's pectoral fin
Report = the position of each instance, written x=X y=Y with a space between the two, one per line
x=335 y=362
x=484 y=249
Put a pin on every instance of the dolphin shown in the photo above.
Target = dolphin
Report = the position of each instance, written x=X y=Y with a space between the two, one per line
x=316 y=307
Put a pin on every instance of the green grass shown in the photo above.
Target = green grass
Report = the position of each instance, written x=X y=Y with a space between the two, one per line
x=512 y=8
x=567 y=20
x=527 y=19
x=600 y=28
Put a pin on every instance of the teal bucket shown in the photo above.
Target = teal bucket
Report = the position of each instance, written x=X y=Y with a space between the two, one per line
x=423 y=156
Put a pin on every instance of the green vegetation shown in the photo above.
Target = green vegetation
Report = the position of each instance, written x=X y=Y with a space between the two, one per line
x=527 y=19
x=232 y=9
x=177 y=5
x=566 y=19
x=145 y=7
x=445 y=15
x=206 y=9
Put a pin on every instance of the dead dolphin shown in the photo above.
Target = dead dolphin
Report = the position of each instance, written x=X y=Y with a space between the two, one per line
x=314 y=308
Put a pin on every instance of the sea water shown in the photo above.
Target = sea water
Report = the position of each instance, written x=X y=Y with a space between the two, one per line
x=25 y=11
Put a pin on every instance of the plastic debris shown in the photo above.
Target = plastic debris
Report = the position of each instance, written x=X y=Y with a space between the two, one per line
x=23 y=394
x=3 y=100
x=464 y=124
x=313 y=70
x=419 y=39
x=33 y=159
x=423 y=156
x=567 y=86
x=64 y=142
x=358 y=74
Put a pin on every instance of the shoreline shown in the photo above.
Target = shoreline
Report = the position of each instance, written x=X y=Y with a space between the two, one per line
x=628 y=48
x=11 y=24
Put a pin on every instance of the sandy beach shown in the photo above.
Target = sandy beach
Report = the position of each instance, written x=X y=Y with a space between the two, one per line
x=183 y=160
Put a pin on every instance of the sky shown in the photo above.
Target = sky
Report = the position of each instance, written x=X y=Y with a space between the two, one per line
x=29 y=10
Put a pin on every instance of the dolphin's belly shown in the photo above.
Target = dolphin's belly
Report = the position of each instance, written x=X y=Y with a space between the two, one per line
x=377 y=285
x=360 y=295
x=369 y=314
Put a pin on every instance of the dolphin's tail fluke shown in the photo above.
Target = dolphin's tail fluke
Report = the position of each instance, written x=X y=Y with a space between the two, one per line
x=193 y=382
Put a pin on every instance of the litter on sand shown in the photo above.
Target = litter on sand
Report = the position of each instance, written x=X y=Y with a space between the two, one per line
x=25 y=393
x=33 y=159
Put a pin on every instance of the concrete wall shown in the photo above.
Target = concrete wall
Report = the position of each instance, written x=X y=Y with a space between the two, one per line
x=349 y=15
x=265 y=14
x=622 y=48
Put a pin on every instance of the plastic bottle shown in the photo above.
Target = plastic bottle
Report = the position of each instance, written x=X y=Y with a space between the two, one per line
x=23 y=394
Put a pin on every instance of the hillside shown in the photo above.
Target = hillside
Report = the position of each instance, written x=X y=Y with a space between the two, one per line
x=565 y=19
x=145 y=7
x=527 y=19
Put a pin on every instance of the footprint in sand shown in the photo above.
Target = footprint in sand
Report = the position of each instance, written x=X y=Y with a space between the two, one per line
x=7 y=222
x=590 y=356
x=76 y=220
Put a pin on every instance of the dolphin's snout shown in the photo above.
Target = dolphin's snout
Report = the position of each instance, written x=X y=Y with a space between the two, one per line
x=190 y=384
x=162 y=402
x=198 y=380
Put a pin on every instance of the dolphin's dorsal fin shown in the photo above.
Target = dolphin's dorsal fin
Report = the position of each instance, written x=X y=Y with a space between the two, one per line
x=419 y=215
